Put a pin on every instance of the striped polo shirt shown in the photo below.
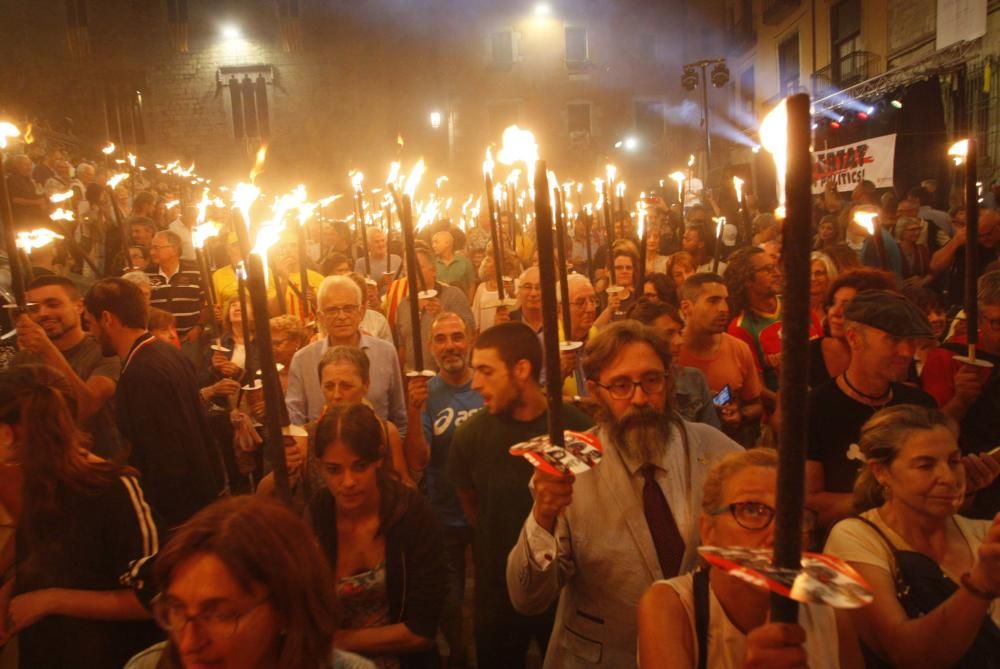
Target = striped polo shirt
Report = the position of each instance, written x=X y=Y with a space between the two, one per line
x=180 y=294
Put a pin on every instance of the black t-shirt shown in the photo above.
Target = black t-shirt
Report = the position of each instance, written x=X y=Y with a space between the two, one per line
x=92 y=542
x=818 y=373
x=835 y=422
x=160 y=414
x=480 y=460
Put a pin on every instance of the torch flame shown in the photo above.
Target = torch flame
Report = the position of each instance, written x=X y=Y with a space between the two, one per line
x=243 y=198
x=720 y=222
x=440 y=180
x=691 y=161
x=679 y=177
x=202 y=232
x=203 y=206
x=357 y=178
x=131 y=159
x=866 y=219
x=488 y=163
x=326 y=201
x=519 y=146
x=774 y=138
x=512 y=178
x=56 y=198
x=29 y=135
x=413 y=180
x=109 y=149
x=959 y=150
x=170 y=204
x=641 y=217
x=779 y=212
x=610 y=171
x=117 y=179
x=62 y=215
x=620 y=189
x=36 y=239
x=738 y=185
x=258 y=165
x=7 y=129
x=393 y=179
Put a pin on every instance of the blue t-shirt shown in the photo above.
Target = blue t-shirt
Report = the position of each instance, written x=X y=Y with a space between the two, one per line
x=447 y=407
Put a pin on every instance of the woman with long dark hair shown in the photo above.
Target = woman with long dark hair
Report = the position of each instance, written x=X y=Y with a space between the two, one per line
x=383 y=543
x=84 y=530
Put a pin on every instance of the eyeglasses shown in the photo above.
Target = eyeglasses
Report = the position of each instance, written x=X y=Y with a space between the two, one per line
x=758 y=516
x=584 y=302
x=623 y=268
x=624 y=389
x=220 y=623
x=345 y=309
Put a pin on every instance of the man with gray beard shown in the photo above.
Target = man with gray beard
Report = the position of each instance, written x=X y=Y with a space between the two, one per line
x=599 y=542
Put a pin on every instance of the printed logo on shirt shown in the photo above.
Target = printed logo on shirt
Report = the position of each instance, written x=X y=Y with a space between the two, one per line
x=444 y=419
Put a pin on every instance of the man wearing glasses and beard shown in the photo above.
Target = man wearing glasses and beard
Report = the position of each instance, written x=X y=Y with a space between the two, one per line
x=600 y=542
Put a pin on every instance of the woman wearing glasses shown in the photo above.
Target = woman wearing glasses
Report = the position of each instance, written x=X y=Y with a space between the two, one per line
x=243 y=585
x=382 y=541
x=935 y=574
x=737 y=510
x=84 y=525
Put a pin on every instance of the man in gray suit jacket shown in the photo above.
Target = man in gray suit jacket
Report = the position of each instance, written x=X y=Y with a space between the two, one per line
x=598 y=554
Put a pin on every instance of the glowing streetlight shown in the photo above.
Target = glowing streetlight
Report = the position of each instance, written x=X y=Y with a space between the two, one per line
x=435 y=119
x=231 y=32
x=543 y=9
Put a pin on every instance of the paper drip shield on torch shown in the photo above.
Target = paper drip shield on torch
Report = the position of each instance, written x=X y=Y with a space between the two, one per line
x=978 y=362
x=426 y=373
x=220 y=348
x=582 y=452
x=822 y=579
x=427 y=294
x=568 y=346
x=496 y=303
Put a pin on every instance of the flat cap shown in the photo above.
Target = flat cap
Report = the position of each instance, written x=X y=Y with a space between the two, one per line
x=890 y=312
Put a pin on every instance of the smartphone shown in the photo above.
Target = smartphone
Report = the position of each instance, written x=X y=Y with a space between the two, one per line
x=724 y=396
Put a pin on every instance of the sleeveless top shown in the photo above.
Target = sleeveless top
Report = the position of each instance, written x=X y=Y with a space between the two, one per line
x=364 y=603
x=726 y=643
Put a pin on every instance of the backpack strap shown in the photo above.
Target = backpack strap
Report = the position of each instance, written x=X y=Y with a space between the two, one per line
x=894 y=567
x=701 y=615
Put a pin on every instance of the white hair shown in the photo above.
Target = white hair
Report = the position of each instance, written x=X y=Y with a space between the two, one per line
x=336 y=281
x=137 y=277
x=831 y=267
x=86 y=168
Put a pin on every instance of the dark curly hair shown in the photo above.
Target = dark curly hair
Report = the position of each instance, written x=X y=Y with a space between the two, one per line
x=739 y=272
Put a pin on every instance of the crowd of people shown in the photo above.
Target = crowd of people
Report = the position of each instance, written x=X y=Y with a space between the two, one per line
x=144 y=523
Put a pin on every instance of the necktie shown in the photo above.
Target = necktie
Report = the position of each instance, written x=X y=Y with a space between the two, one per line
x=662 y=526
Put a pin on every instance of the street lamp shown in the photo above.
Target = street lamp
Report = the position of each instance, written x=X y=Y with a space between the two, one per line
x=696 y=74
x=435 y=119
x=231 y=32
x=543 y=9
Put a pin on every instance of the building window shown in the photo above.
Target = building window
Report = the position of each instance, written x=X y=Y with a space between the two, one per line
x=248 y=99
x=576 y=45
x=746 y=91
x=788 y=65
x=76 y=28
x=177 y=19
x=502 y=47
x=650 y=116
x=500 y=115
x=290 y=25
x=845 y=42
x=578 y=119
x=123 y=108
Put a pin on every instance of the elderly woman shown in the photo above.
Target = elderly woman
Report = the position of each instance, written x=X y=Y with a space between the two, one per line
x=680 y=267
x=935 y=574
x=383 y=543
x=243 y=584
x=737 y=510
x=288 y=335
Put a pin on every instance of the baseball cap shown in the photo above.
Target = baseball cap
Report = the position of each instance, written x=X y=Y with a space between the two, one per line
x=890 y=312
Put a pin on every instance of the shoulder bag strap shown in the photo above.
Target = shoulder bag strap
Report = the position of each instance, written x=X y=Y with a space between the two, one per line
x=701 y=615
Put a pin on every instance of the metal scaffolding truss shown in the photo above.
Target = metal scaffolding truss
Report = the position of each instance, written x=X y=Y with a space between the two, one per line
x=938 y=63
